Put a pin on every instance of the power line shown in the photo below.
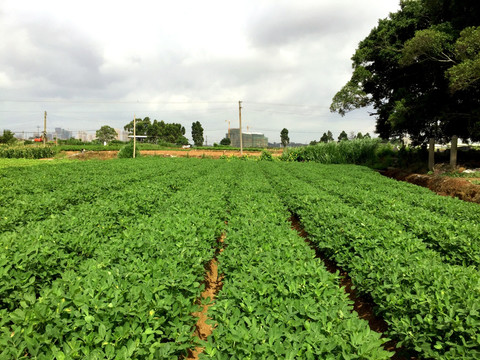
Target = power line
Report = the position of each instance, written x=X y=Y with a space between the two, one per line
x=284 y=104
x=62 y=101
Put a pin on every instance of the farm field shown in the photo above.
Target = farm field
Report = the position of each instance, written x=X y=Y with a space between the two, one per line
x=107 y=259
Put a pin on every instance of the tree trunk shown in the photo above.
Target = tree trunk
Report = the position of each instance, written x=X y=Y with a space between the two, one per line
x=431 y=154
x=453 y=152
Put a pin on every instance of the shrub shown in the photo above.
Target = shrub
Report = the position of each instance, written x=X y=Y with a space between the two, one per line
x=266 y=156
x=126 y=151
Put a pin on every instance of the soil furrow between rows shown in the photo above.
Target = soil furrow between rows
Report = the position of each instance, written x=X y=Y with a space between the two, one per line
x=363 y=304
x=213 y=284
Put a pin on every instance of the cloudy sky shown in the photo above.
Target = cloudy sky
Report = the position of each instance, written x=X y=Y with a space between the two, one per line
x=92 y=63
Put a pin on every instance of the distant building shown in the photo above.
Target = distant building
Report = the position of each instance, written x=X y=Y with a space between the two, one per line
x=122 y=135
x=82 y=136
x=249 y=139
x=85 y=137
x=291 y=144
x=62 y=134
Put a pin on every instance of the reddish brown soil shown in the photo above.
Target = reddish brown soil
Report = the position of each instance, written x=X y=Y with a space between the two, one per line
x=213 y=284
x=214 y=154
x=88 y=155
x=363 y=305
x=461 y=188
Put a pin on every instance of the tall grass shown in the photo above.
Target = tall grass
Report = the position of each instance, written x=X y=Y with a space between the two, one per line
x=361 y=152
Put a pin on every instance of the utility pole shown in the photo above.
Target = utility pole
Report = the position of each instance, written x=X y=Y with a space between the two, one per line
x=45 y=129
x=134 y=135
x=240 y=125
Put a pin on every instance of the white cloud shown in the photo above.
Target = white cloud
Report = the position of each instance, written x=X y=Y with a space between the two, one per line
x=183 y=61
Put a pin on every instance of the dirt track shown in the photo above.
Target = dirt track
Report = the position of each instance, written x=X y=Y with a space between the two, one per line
x=214 y=154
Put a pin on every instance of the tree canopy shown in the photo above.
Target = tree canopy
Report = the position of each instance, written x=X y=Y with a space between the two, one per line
x=420 y=70
x=8 y=137
x=158 y=131
x=284 y=137
x=197 y=133
x=343 y=136
x=327 y=137
x=106 y=134
x=225 y=141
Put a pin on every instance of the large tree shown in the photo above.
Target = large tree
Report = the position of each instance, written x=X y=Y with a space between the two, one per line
x=197 y=133
x=141 y=126
x=419 y=69
x=284 y=137
x=106 y=134
x=225 y=141
x=343 y=136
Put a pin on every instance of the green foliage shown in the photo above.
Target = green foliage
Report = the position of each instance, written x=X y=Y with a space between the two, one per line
x=107 y=260
x=123 y=280
x=7 y=138
x=73 y=141
x=432 y=44
x=415 y=253
x=352 y=96
x=126 y=151
x=285 y=140
x=158 y=132
x=266 y=156
x=27 y=152
x=114 y=145
x=327 y=137
x=343 y=136
x=276 y=301
x=467 y=48
x=419 y=69
x=225 y=141
x=197 y=133
x=141 y=126
x=362 y=151
x=106 y=134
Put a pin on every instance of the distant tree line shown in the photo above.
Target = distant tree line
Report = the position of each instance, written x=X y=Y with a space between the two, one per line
x=328 y=137
x=158 y=131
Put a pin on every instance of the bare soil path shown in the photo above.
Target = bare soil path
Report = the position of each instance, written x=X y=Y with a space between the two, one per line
x=214 y=154
x=213 y=284
x=463 y=188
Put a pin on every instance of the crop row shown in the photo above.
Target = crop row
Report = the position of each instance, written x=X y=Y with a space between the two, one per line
x=278 y=301
x=431 y=306
x=108 y=281
x=454 y=237
x=106 y=260
x=38 y=193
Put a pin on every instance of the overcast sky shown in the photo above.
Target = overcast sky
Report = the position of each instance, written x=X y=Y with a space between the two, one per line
x=92 y=63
